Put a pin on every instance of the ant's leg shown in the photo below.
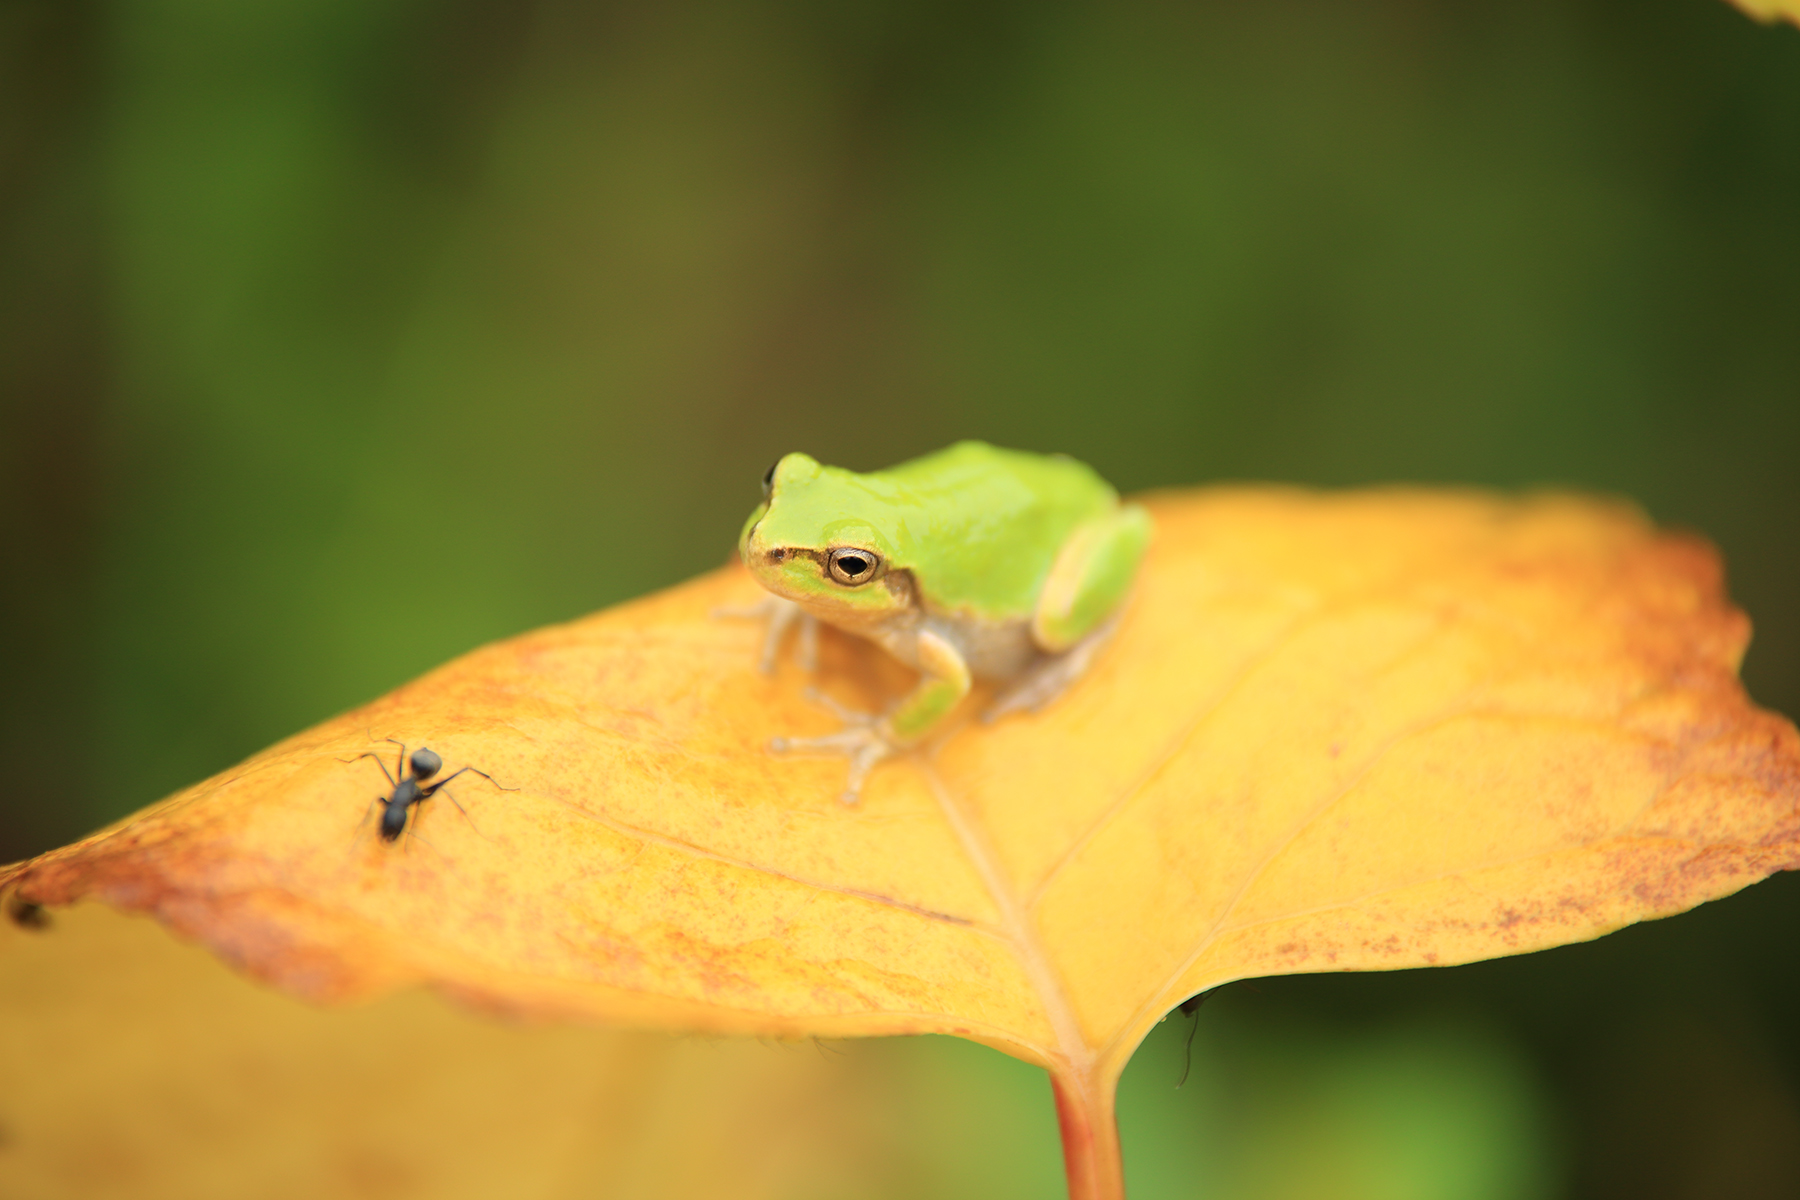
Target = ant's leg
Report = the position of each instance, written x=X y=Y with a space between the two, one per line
x=399 y=763
x=361 y=831
x=451 y=796
x=378 y=762
x=446 y=779
x=410 y=832
x=459 y=808
x=412 y=836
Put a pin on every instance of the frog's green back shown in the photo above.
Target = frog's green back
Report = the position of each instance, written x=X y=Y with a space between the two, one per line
x=983 y=525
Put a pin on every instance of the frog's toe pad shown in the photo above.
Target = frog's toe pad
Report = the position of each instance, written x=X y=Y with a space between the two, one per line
x=863 y=745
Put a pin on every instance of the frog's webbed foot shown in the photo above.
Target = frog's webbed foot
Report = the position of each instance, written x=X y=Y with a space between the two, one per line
x=861 y=740
x=1049 y=679
x=782 y=615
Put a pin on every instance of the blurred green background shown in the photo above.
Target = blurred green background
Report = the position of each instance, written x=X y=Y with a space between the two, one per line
x=340 y=336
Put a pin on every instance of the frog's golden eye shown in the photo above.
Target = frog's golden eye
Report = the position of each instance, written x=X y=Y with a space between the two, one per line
x=853 y=566
x=769 y=478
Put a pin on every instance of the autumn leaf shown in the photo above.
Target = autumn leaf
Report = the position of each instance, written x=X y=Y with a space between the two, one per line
x=1335 y=732
x=1771 y=10
x=134 y=1066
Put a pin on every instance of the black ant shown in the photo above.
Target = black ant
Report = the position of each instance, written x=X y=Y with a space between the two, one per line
x=410 y=789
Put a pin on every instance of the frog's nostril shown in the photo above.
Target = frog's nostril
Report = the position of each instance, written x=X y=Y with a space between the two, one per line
x=777 y=555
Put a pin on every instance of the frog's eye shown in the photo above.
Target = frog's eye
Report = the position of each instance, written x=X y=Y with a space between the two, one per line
x=852 y=566
x=769 y=478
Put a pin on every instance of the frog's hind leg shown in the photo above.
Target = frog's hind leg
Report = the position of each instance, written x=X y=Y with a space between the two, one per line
x=1090 y=578
x=1078 y=609
x=1052 y=675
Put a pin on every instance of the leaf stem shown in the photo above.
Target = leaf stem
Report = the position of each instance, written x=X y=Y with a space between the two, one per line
x=1090 y=1137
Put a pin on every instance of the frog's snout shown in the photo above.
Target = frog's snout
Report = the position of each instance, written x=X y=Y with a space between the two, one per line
x=758 y=555
x=748 y=545
x=769 y=558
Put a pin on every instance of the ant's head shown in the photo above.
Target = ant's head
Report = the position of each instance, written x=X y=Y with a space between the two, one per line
x=425 y=764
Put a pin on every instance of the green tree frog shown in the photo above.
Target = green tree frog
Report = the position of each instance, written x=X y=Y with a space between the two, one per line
x=970 y=563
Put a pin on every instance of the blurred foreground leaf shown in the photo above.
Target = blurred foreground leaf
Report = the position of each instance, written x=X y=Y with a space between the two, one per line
x=132 y=1066
x=1362 y=731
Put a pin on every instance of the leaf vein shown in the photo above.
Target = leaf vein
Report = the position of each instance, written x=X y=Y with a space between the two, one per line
x=1016 y=922
x=686 y=847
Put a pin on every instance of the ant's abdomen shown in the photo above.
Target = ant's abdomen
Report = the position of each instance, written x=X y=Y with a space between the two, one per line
x=393 y=821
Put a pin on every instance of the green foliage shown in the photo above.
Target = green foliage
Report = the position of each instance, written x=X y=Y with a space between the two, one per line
x=434 y=323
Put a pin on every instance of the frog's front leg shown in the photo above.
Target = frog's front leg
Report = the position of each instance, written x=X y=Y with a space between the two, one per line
x=781 y=615
x=867 y=740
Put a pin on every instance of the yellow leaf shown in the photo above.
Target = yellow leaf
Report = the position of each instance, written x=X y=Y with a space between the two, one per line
x=135 y=1067
x=1771 y=10
x=1362 y=731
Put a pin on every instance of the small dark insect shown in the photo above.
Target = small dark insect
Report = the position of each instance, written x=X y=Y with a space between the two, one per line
x=412 y=789
x=27 y=915
x=1191 y=1008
